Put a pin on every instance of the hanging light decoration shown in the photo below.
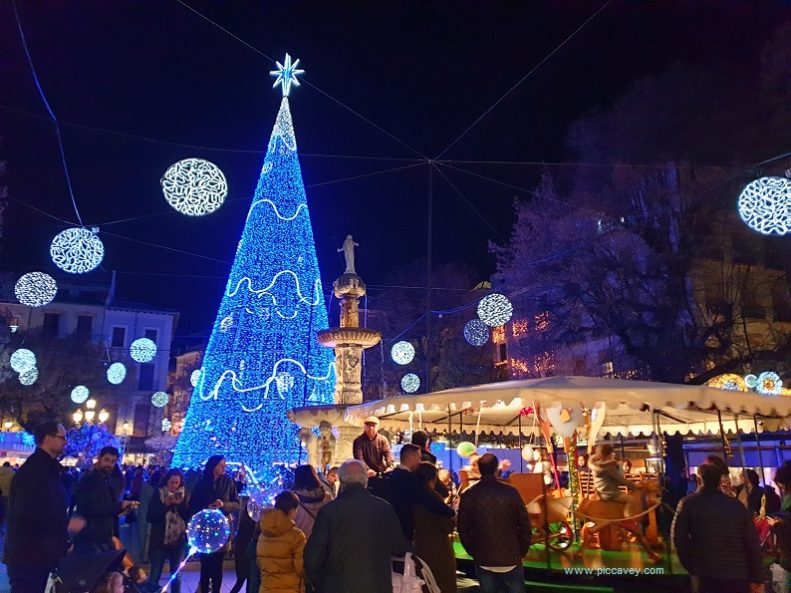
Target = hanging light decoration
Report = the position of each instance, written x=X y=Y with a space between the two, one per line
x=476 y=332
x=22 y=360
x=160 y=399
x=194 y=187
x=166 y=425
x=410 y=382
x=77 y=250
x=769 y=383
x=495 y=309
x=728 y=382
x=143 y=350
x=195 y=377
x=29 y=377
x=765 y=205
x=116 y=373
x=35 y=289
x=80 y=394
x=402 y=352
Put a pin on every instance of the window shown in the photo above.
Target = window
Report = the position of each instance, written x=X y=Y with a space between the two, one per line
x=502 y=352
x=140 y=426
x=84 y=325
x=152 y=335
x=145 y=381
x=51 y=327
x=118 y=339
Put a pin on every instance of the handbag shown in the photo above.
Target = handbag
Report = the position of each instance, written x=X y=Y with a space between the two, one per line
x=175 y=528
x=408 y=581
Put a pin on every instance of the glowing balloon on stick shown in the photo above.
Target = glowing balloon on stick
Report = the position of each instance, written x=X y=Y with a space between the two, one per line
x=207 y=531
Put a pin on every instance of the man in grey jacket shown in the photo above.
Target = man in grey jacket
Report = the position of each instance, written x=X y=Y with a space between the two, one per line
x=716 y=540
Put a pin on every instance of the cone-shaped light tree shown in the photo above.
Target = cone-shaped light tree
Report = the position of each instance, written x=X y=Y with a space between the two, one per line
x=263 y=357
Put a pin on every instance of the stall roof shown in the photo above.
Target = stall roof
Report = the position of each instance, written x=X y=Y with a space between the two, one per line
x=496 y=407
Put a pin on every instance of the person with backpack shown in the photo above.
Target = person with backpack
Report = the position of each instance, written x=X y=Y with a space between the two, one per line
x=168 y=513
x=312 y=496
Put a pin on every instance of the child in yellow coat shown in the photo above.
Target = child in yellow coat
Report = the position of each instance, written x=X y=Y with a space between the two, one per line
x=280 y=547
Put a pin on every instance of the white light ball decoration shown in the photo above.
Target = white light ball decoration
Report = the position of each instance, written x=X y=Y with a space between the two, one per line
x=29 y=377
x=35 y=289
x=402 y=352
x=22 y=360
x=142 y=350
x=765 y=205
x=495 y=309
x=476 y=332
x=194 y=187
x=410 y=382
x=769 y=383
x=116 y=373
x=166 y=425
x=160 y=399
x=76 y=250
x=79 y=395
x=195 y=377
x=207 y=531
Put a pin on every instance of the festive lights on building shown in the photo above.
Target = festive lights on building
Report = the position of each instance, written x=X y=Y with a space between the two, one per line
x=728 y=382
x=116 y=373
x=80 y=394
x=160 y=399
x=542 y=321
x=498 y=334
x=476 y=332
x=263 y=357
x=22 y=360
x=35 y=289
x=765 y=205
x=495 y=309
x=519 y=328
x=194 y=187
x=410 y=383
x=768 y=383
x=402 y=352
x=143 y=350
x=77 y=250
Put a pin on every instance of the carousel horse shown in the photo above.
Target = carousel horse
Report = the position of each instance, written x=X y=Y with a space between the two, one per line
x=606 y=517
x=549 y=520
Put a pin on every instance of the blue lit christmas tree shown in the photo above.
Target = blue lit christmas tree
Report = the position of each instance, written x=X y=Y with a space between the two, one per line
x=263 y=357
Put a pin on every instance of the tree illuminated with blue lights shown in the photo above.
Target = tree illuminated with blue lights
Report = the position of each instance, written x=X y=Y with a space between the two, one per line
x=263 y=357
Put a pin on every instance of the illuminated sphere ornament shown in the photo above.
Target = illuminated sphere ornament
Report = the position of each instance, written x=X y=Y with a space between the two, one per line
x=495 y=309
x=207 y=531
x=160 y=399
x=22 y=360
x=35 y=289
x=528 y=453
x=29 y=377
x=116 y=373
x=166 y=425
x=751 y=381
x=76 y=250
x=195 y=377
x=765 y=205
x=466 y=449
x=410 y=382
x=769 y=383
x=728 y=382
x=79 y=394
x=476 y=332
x=194 y=187
x=402 y=352
x=143 y=350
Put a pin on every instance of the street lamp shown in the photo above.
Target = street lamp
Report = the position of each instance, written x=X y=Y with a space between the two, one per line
x=103 y=416
x=8 y=424
x=77 y=416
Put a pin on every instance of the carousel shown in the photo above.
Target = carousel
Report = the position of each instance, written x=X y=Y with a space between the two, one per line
x=552 y=424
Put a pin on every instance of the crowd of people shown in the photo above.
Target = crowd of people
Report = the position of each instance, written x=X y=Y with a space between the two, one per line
x=337 y=531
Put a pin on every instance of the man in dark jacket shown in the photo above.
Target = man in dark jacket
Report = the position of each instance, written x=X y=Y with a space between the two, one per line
x=495 y=530
x=372 y=448
x=353 y=539
x=403 y=489
x=37 y=520
x=98 y=502
x=716 y=540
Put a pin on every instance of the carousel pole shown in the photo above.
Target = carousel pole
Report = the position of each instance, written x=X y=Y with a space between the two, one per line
x=760 y=454
x=521 y=459
x=450 y=448
x=726 y=452
x=660 y=476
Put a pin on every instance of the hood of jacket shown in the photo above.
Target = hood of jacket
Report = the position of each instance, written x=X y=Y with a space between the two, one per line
x=275 y=522
x=312 y=497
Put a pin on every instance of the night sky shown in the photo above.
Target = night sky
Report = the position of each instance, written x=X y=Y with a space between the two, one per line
x=423 y=71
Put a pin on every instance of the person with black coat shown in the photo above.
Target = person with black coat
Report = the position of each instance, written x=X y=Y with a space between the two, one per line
x=215 y=490
x=354 y=539
x=716 y=540
x=404 y=489
x=98 y=501
x=168 y=513
x=422 y=439
x=37 y=521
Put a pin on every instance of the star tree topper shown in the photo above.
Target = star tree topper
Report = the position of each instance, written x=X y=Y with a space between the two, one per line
x=286 y=74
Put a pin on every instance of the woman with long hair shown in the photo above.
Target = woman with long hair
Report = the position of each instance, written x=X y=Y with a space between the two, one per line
x=214 y=490
x=168 y=513
x=312 y=496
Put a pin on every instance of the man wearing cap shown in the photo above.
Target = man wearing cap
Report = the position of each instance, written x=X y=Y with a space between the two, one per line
x=372 y=448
